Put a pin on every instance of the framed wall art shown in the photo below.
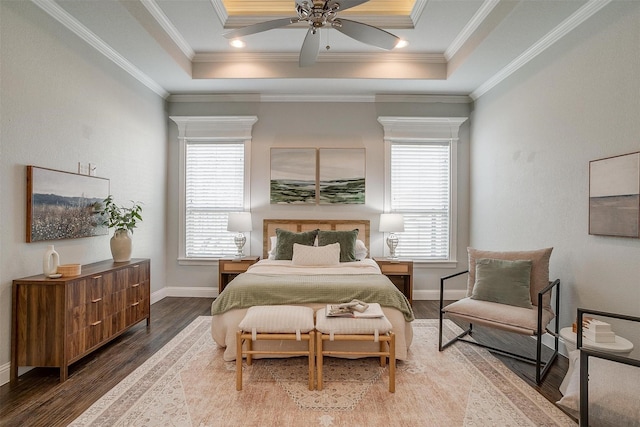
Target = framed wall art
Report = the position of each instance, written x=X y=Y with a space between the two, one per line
x=341 y=175
x=614 y=196
x=293 y=176
x=64 y=205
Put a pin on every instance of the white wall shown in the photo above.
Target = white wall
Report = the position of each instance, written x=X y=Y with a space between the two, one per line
x=316 y=125
x=62 y=103
x=532 y=139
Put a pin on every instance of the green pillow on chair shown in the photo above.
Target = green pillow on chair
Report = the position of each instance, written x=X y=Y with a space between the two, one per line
x=502 y=281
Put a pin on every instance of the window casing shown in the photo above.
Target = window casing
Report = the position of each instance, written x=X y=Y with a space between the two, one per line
x=420 y=184
x=215 y=155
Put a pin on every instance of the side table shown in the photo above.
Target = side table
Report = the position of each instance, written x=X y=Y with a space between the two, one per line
x=622 y=346
x=228 y=268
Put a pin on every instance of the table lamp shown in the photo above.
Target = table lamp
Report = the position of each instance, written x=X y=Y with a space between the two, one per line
x=239 y=222
x=392 y=223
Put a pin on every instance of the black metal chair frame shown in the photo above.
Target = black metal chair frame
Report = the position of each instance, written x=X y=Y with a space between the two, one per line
x=585 y=353
x=542 y=368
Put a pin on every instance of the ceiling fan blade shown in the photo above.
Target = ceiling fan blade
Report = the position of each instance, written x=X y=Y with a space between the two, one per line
x=310 y=48
x=260 y=27
x=367 y=34
x=347 y=4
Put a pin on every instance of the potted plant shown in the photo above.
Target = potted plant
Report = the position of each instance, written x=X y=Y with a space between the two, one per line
x=124 y=220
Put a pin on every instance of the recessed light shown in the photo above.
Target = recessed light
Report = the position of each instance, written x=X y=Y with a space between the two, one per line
x=237 y=43
x=401 y=43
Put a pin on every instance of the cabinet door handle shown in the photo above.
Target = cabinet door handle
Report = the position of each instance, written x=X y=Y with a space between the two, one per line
x=136 y=266
x=135 y=303
x=96 y=323
x=96 y=300
x=97 y=277
x=135 y=285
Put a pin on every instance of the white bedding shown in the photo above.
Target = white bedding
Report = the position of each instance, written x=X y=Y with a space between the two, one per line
x=270 y=266
x=224 y=326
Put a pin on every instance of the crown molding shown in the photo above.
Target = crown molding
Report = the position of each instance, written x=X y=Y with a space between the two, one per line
x=168 y=27
x=336 y=57
x=231 y=97
x=316 y=98
x=473 y=24
x=566 y=26
x=426 y=99
x=62 y=16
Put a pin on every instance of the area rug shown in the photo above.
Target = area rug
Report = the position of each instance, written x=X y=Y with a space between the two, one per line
x=187 y=383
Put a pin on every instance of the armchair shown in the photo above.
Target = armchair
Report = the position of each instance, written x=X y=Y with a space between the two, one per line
x=500 y=279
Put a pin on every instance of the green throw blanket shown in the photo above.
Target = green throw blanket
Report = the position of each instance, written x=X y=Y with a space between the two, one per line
x=250 y=289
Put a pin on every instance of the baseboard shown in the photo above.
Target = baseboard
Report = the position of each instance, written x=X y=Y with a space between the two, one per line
x=435 y=295
x=5 y=373
x=193 y=292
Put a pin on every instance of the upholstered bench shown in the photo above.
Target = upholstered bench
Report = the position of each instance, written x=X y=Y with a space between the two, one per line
x=275 y=322
x=356 y=329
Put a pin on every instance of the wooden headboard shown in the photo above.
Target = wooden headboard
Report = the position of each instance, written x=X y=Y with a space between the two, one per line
x=298 y=225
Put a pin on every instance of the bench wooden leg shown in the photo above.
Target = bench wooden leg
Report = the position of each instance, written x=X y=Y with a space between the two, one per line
x=239 y=360
x=319 y=360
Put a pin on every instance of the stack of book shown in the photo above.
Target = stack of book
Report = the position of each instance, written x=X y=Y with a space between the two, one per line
x=598 y=331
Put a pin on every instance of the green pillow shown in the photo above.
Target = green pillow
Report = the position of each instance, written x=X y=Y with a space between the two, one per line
x=502 y=281
x=286 y=239
x=347 y=240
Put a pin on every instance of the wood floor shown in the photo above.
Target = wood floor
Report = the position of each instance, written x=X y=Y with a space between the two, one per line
x=39 y=399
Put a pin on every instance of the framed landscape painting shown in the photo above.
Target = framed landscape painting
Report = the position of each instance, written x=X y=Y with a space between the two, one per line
x=614 y=196
x=293 y=176
x=342 y=176
x=64 y=205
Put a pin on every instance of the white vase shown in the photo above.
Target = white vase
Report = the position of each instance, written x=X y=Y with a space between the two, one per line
x=50 y=261
x=121 y=246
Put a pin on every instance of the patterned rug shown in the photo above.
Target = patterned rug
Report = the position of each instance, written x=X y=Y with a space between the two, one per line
x=187 y=383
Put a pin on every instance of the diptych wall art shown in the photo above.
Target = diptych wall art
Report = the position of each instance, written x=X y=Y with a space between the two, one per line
x=64 y=205
x=342 y=176
x=324 y=176
x=293 y=176
x=614 y=196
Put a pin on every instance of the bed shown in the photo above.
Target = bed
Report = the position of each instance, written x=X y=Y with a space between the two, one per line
x=297 y=281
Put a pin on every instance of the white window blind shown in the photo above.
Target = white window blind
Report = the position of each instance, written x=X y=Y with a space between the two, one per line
x=420 y=189
x=214 y=186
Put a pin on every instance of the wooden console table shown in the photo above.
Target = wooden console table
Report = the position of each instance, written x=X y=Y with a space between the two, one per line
x=55 y=322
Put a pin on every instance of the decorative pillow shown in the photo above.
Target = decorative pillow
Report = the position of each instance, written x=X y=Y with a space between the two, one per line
x=361 y=250
x=502 y=281
x=539 y=270
x=316 y=255
x=347 y=240
x=286 y=239
x=274 y=245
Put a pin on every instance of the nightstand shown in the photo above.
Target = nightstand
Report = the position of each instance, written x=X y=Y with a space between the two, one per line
x=400 y=272
x=230 y=267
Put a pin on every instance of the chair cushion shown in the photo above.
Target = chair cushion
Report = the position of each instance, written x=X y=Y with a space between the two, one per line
x=539 y=270
x=350 y=325
x=503 y=281
x=286 y=319
x=502 y=316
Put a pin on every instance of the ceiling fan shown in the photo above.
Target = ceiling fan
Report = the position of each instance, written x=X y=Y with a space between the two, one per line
x=321 y=14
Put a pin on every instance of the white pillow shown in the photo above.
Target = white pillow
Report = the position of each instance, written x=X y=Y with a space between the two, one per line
x=361 y=250
x=316 y=255
x=272 y=252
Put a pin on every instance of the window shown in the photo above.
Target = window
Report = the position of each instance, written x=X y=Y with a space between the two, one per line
x=420 y=184
x=215 y=153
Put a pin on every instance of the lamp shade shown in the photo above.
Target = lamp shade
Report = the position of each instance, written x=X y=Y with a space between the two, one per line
x=239 y=222
x=391 y=223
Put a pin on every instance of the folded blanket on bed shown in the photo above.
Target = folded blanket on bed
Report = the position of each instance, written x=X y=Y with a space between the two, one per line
x=247 y=290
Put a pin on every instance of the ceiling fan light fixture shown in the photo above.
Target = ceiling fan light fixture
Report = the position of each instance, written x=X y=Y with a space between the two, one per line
x=237 y=43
